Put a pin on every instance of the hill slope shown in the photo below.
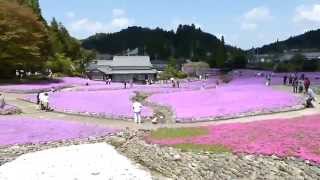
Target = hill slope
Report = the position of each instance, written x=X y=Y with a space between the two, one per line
x=308 y=40
x=187 y=42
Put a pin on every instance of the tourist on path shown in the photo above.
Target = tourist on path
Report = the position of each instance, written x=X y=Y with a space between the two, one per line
x=137 y=108
x=285 y=79
x=301 y=86
x=2 y=101
x=268 y=83
x=290 y=79
x=178 y=84
x=40 y=97
x=295 y=84
x=306 y=84
x=125 y=84
x=45 y=101
x=310 y=98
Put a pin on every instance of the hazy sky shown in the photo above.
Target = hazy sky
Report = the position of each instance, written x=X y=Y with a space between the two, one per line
x=244 y=23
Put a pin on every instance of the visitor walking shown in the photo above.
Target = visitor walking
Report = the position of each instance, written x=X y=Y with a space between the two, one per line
x=290 y=79
x=310 y=97
x=306 y=84
x=178 y=84
x=137 y=108
x=285 y=79
x=125 y=84
x=301 y=85
x=295 y=84
x=2 y=101
x=38 y=98
x=268 y=83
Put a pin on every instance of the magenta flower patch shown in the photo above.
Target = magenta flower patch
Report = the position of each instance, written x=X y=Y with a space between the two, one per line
x=22 y=130
x=240 y=96
x=297 y=137
x=104 y=103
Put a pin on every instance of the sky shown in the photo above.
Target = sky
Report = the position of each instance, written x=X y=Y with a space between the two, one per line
x=243 y=23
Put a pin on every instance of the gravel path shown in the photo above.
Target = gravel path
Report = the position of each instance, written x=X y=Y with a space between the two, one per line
x=91 y=161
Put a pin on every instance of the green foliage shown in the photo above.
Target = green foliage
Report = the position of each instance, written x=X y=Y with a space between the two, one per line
x=170 y=72
x=195 y=68
x=23 y=39
x=61 y=42
x=308 y=40
x=221 y=54
x=297 y=63
x=226 y=78
x=238 y=61
x=215 y=149
x=188 y=42
x=61 y=64
x=172 y=133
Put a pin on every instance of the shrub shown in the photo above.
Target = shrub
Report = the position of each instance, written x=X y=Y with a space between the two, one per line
x=225 y=78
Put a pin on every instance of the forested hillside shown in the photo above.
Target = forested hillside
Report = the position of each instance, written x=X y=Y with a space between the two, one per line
x=308 y=40
x=187 y=42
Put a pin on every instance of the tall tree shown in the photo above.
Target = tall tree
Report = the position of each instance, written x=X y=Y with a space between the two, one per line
x=23 y=38
x=221 y=54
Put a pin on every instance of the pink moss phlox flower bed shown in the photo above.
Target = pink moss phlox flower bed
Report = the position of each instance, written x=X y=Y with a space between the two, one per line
x=229 y=100
x=109 y=104
x=46 y=86
x=297 y=137
x=22 y=130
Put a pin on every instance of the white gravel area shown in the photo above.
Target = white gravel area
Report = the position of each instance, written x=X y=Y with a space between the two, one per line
x=83 y=162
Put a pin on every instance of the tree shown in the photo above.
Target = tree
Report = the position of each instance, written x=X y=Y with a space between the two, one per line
x=23 y=38
x=61 y=42
x=239 y=60
x=221 y=55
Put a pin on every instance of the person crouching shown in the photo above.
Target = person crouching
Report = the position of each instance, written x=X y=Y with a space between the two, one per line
x=310 y=98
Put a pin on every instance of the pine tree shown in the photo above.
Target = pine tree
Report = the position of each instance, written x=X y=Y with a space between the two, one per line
x=221 y=55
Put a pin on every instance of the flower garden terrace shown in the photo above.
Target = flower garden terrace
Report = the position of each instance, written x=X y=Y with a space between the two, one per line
x=194 y=101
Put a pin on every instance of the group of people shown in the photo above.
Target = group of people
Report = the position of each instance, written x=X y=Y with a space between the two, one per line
x=299 y=85
x=108 y=81
x=175 y=83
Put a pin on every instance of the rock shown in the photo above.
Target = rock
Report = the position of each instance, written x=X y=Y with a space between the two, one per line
x=176 y=157
x=117 y=141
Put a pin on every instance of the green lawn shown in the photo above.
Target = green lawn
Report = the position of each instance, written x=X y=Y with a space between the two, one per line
x=170 y=133
x=216 y=149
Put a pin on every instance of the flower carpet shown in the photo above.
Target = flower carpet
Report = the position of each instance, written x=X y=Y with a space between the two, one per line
x=298 y=137
x=23 y=130
x=238 y=97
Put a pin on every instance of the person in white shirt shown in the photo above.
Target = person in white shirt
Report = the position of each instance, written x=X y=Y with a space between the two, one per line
x=137 y=108
x=2 y=102
x=45 y=101
x=41 y=97
x=310 y=98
